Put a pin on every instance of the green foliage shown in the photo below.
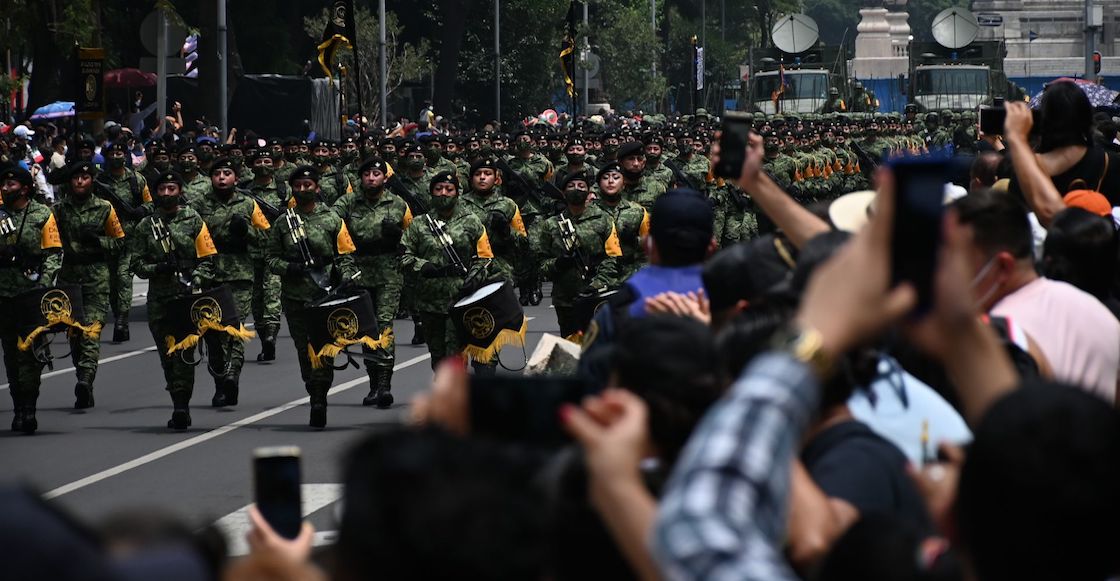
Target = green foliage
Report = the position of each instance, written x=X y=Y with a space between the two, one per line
x=404 y=61
x=629 y=48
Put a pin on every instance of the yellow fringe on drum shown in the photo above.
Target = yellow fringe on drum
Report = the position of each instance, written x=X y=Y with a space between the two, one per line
x=330 y=350
x=204 y=326
x=91 y=331
x=505 y=337
x=576 y=338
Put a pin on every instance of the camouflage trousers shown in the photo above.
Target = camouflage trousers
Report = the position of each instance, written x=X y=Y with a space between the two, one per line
x=314 y=380
x=22 y=367
x=386 y=299
x=266 y=300
x=85 y=351
x=227 y=354
x=440 y=336
x=177 y=373
x=120 y=283
x=526 y=266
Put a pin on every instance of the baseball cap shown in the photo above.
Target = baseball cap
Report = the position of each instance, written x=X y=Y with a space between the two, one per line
x=23 y=131
x=683 y=218
x=1089 y=200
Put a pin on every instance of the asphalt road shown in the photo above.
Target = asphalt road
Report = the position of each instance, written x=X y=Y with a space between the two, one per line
x=120 y=454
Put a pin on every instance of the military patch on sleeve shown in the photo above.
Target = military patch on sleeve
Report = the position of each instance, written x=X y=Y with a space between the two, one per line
x=258 y=218
x=50 y=237
x=203 y=244
x=482 y=247
x=612 y=246
x=343 y=241
x=113 y=225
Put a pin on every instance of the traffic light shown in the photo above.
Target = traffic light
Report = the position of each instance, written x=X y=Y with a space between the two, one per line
x=1096 y=62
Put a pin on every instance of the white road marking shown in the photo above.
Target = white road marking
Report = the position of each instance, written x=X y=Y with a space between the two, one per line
x=99 y=362
x=236 y=525
x=205 y=437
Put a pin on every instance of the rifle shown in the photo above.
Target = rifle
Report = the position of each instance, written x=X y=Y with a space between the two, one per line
x=678 y=174
x=298 y=236
x=162 y=236
x=270 y=212
x=417 y=205
x=570 y=240
x=123 y=208
x=444 y=240
x=519 y=184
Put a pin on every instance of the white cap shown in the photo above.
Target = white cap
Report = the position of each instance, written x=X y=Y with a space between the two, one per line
x=22 y=131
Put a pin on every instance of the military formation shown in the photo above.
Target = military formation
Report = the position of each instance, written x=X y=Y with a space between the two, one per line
x=414 y=222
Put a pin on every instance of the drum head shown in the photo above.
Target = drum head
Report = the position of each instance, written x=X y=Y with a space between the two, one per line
x=479 y=294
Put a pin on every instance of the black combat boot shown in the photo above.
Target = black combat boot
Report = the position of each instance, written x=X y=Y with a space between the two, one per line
x=83 y=395
x=120 y=329
x=268 y=345
x=538 y=294
x=231 y=388
x=181 y=416
x=374 y=381
x=17 y=415
x=524 y=295
x=384 y=396
x=29 y=424
x=417 y=331
x=219 y=399
x=318 y=408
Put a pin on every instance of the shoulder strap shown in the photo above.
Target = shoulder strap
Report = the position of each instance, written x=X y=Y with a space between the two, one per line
x=1104 y=172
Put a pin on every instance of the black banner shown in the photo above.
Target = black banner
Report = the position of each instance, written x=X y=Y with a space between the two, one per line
x=89 y=98
x=339 y=31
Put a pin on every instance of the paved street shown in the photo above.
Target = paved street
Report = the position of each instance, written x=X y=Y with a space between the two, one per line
x=120 y=454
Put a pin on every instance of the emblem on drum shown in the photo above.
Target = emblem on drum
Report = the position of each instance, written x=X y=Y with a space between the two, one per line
x=342 y=324
x=479 y=321
x=55 y=305
x=206 y=309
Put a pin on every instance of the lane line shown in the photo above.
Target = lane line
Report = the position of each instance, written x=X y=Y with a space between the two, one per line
x=216 y=432
x=100 y=362
x=314 y=497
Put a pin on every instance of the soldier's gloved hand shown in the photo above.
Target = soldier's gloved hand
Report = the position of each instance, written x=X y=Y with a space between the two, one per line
x=239 y=226
x=565 y=262
x=295 y=269
x=391 y=232
x=498 y=225
x=430 y=270
x=88 y=235
x=164 y=268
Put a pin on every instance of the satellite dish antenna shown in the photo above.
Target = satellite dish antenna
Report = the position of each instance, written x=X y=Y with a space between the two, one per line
x=794 y=33
x=955 y=27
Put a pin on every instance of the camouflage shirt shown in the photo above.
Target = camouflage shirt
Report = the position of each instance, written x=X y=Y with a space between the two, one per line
x=192 y=252
x=421 y=247
x=33 y=247
x=330 y=245
x=234 y=260
x=512 y=241
x=378 y=260
x=598 y=243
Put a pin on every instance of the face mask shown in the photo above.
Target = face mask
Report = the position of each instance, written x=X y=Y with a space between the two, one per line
x=323 y=159
x=610 y=149
x=237 y=160
x=10 y=198
x=521 y=146
x=167 y=202
x=653 y=158
x=575 y=197
x=373 y=192
x=263 y=171
x=771 y=148
x=612 y=198
x=292 y=156
x=349 y=156
x=303 y=197
x=412 y=164
x=161 y=166
x=116 y=162
x=444 y=203
x=188 y=166
x=205 y=155
x=574 y=158
x=432 y=155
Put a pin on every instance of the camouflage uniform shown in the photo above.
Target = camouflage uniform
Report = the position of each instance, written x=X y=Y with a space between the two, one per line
x=193 y=252
x=331 y=245
x=660 y=173
x=631 y=223
x=233 y=223
x=598 y=241
x=644 y=192
x=132 y=188
x=436 y=293
x=376 y=226
x=194 y=188
x=696 y=168
x=266 y=286
x=90 y=231
x=536 y=170
x=35 y=245
x=333 y=185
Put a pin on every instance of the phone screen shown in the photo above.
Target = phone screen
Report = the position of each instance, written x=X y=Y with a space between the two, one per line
x=733 y=142
x=920 y=186
x=522 y=409
x=276 y=477
x=992 y=119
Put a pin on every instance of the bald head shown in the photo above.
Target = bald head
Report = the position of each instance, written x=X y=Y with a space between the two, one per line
x=984 y=171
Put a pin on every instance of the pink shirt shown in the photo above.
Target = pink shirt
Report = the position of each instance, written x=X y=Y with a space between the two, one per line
x=1077 y=334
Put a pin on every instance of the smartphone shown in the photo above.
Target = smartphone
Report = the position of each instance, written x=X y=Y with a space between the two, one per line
x=919 y=210
x=992 y=118
x=276 y=479
x=522 y=409
x=733 y=142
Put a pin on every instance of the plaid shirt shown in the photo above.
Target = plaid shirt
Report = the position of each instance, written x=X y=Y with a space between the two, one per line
x=723 y=514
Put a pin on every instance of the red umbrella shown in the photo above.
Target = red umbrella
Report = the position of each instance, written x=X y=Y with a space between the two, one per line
x=127 y=78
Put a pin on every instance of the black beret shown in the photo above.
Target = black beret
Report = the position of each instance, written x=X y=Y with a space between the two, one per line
x=443 y=178
x=83 y=166
x=606 y=169
x=373 y=163
x=575 y=141
x=581 y=176
x=188 y=148
x=304 y=172
x=222 y=163
x=262 y=153
x=168 y=177
x=631 y=148
x=16 y=172
x=484 y=162
x=411 y=147
x=655 y=138
x=117 y=146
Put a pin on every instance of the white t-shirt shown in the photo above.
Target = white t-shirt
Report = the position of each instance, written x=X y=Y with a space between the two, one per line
x=1078 y=335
